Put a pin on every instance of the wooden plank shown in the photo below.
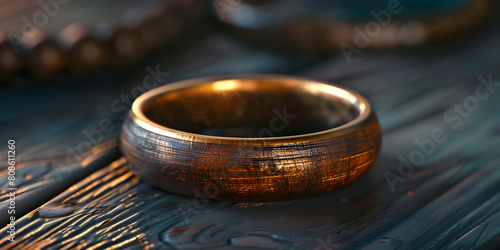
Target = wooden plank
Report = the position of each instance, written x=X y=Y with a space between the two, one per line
x=450 y=200
x=112 y=208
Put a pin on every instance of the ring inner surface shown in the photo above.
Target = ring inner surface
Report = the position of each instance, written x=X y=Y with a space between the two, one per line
x=251 y=108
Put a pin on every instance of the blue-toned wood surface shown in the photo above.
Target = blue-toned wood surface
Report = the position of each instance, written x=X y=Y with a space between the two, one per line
x=451 y=201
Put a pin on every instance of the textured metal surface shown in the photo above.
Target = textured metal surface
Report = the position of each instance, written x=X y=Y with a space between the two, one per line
x=299 y=162
x=450 y=201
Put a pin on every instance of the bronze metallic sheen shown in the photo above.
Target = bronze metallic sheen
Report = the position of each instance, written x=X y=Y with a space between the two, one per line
x=251 y=137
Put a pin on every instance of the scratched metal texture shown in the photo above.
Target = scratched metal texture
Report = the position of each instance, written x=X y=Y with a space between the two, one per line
x=450 y=201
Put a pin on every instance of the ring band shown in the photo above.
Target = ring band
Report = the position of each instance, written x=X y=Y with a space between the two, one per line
x=250 y=138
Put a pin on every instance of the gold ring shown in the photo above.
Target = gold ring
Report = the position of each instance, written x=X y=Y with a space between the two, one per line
x=250 y=137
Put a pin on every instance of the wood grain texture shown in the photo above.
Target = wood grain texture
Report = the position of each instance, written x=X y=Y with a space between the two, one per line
x=449 y=201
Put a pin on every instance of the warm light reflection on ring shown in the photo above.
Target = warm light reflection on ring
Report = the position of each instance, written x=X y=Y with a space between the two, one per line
x=251 y=137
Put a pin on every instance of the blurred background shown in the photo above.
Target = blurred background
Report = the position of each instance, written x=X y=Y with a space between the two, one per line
x=59 y=41
x=70 y=70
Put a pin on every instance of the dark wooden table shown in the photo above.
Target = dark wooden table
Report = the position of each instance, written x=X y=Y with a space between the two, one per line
x=71 y=197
